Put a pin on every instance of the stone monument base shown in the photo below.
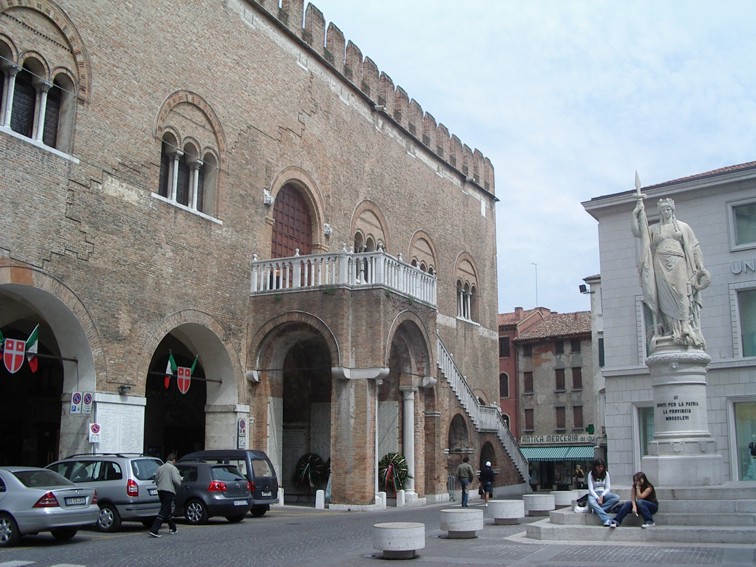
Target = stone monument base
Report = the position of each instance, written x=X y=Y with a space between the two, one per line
x=683 y=470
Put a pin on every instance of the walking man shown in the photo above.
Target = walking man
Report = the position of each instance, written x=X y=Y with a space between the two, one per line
x=466 y=475
x=168 y=481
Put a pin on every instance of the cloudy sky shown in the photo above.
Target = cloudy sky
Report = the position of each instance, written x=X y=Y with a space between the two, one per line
x=568 y=98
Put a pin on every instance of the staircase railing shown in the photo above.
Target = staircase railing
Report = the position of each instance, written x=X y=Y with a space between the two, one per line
x=485 y=418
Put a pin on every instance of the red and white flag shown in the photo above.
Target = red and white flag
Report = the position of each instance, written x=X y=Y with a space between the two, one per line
x=13 y=354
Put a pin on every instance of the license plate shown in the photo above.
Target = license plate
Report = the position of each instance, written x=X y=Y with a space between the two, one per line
x=152 y=491
x=80 y=501
x=240 y=502
x=268 y=493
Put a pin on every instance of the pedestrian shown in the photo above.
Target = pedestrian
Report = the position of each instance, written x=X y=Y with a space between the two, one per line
x=600 y=498
x=466 y=475
x=486 y=481
x=579 y=476
x=642 y=499
x=168 y=481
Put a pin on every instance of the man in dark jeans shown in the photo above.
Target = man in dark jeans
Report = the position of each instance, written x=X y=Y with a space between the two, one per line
x=168 y=481
x=465 y=474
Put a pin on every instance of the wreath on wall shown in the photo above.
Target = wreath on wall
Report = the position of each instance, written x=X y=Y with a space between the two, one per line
x=393 y=472
x=311 y=471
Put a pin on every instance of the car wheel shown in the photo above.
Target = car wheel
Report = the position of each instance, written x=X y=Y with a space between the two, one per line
x=64 y=533
x=109 y=520
x=195 y=512
x=235 y=519
x=258 y=511
x=9 y=534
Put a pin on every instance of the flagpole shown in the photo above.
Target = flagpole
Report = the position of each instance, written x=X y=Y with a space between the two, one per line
x=172 y=375
x=50 y=356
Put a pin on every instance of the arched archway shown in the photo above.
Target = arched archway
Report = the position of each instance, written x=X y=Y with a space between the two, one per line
x=401 y=399
x=67 y=343
x=296 y=384
x=206 y=415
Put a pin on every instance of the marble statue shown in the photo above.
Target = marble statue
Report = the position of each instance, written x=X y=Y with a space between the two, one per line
x=672 y=274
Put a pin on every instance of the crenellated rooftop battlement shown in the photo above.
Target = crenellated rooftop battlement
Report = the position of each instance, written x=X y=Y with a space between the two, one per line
x=346 y=58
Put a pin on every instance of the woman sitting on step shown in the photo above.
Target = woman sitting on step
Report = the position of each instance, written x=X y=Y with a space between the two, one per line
x=642 y=500
x=600 y=499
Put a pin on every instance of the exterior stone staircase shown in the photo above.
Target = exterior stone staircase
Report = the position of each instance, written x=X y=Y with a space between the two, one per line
x=706 y=514
x=484 y=418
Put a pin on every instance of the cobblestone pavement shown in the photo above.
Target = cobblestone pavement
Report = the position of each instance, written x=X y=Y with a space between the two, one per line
x=296 y=536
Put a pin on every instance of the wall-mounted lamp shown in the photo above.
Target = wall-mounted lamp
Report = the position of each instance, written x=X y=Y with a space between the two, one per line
x=124 y=389
x=327 y=230
x=584 y=289
x=267 y=198
x=252 y=376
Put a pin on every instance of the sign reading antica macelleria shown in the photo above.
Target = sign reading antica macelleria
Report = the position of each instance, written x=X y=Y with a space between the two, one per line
x=549 y=439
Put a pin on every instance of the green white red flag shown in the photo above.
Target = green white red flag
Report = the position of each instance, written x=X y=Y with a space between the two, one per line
x=170 y=370
x=32 y=344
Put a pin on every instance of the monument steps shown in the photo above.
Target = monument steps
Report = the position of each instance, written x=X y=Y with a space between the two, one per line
x=544 y=530
x=705 y=514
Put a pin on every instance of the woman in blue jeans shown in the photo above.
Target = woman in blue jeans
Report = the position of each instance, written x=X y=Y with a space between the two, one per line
x=642 y=501
x=600 y=498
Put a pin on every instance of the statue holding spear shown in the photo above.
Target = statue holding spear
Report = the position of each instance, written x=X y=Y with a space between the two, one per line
x=672 y=273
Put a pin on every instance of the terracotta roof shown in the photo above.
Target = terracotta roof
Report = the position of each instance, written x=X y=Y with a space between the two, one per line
x=559 y=325
x=705 y=174
x=519 y=315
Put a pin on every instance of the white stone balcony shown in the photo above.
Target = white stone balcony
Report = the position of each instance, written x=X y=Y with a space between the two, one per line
x=345 y=269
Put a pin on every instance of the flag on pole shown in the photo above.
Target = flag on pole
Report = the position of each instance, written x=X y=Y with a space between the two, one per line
x=184 y=380
x=170 y=370
x=32 y=343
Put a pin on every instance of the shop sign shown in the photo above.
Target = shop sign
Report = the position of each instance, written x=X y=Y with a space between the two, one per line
x=551 y=439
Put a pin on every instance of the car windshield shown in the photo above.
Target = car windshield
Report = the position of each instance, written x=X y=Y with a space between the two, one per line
x=226 y=472
x=41 y=478
x=144 y=469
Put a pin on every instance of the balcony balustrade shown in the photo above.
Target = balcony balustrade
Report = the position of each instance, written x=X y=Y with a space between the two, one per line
x=346 y=269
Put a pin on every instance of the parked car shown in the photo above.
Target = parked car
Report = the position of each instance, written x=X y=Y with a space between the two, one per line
x=255 y=465
x=125 y=485
x=34 y=500
x=212 y=490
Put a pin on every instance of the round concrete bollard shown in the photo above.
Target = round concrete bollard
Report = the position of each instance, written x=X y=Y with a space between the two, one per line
x=506 y=512
x=564 y=498
x=539 y=504
x=462 y=523
x=399 y=540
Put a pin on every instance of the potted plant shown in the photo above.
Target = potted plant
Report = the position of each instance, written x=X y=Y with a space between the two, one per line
x=393 y=472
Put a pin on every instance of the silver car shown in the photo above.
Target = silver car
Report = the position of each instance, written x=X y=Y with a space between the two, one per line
x=36 y=500
x=125 y=485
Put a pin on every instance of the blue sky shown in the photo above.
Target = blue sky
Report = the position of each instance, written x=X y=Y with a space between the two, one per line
x=568 y=98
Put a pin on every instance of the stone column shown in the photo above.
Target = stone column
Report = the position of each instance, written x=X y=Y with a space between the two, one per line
x=683 y=453
x=408 y=437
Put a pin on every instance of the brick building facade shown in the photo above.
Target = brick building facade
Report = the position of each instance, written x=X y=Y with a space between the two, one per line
x=270 y=206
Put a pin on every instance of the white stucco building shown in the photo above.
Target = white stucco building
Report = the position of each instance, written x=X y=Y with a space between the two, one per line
x=720 y=206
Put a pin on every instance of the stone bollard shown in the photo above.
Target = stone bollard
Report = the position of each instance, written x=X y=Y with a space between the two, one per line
x=506 y=512
x=462 y=523
x=564 y=498
x=539 y=504
x=399 y=540
x=320 y=500
x=400 y=499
